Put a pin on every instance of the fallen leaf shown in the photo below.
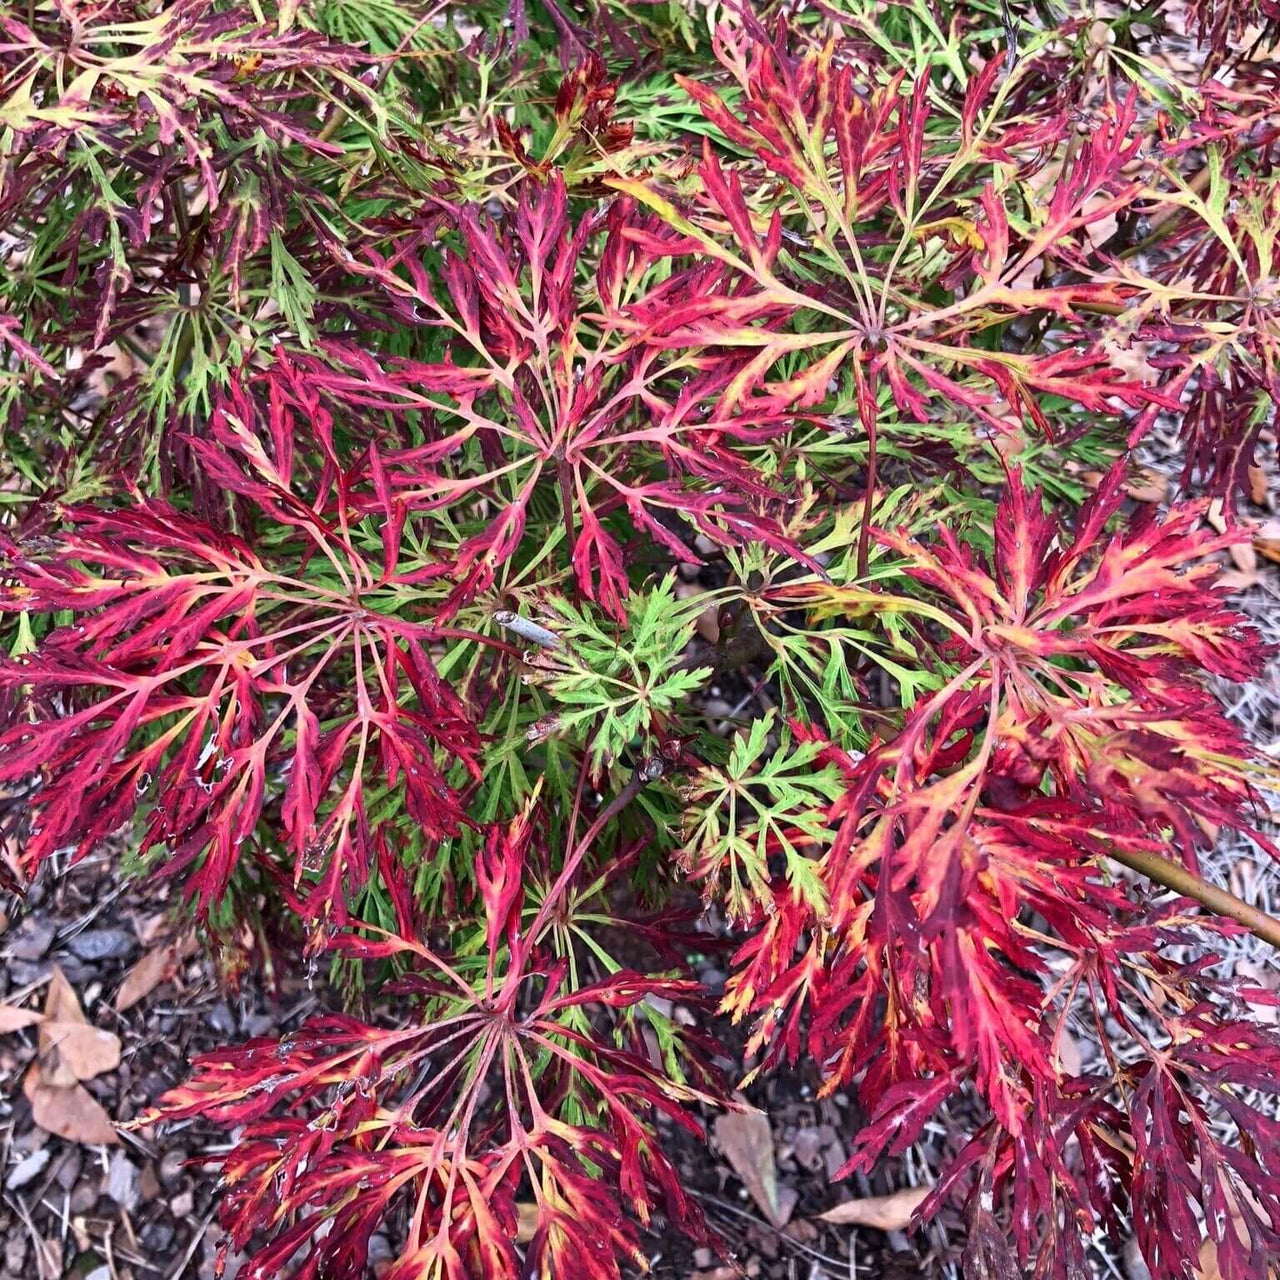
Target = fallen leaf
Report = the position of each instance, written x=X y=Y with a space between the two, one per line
x=526 y=1221
x=1070 y=1059
x=1148 y=486
x=884 y=1213
x=72 y=1113
x=14 y=1019
x=1245 y=557
x=155 y=967
x=1233 y=581
x=746 y=1139
x=1268 y=548
x=71 y=1049
x=708 y=622
x=1208 y=1267
x=81 y=1051
x=1257 y=485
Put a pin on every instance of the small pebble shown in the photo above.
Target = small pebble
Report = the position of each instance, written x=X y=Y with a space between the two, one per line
x=15 y=1252
x=183 y=1206
x=171 y=1165
x=27 y=1170
x=156 y=1237
x=68 y=1169
x=102 y=944
x=32 y=939
x=22 y=973
x=221 y=1020
x=808 y=1149
x=122 y=1183
x=84 y=1196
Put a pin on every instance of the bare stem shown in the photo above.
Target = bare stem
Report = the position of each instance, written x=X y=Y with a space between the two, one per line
x=566 y=508
x=737 y=646
x=1173 y=875
x=649 y=770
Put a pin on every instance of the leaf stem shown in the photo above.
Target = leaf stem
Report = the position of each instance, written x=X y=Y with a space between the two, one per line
x=648 y=770
x=491 y=642
x=1173 y=875
x=566 y=507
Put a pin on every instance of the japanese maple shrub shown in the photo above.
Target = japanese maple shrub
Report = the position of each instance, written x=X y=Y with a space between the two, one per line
x=407 y=422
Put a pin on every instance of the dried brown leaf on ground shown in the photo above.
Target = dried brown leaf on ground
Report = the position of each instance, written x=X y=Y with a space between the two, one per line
x=71 y=1049
x=746 y=1140
x=890 y=1212
x=14 y=1019
x=71 y=1113
x=77 y=1052
x=1266 y=540
x=1245 y=558
x=155 y=967
x=1148 y=486
x=528 y=1221
x=1257 y=485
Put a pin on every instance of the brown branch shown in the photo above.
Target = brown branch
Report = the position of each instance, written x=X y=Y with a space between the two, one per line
x=648 y=770
x=738 y=646
x=1173 y=875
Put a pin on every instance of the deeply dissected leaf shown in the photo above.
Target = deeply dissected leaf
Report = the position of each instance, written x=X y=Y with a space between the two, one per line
x=406 y=1115
x=760 y=807
x=609 y=688
x=203 y=670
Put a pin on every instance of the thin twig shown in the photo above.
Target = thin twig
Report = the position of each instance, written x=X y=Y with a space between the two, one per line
x=648 y=770
x=196 y=1237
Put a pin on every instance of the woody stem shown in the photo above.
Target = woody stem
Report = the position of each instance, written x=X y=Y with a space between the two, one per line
x=1173 y=875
